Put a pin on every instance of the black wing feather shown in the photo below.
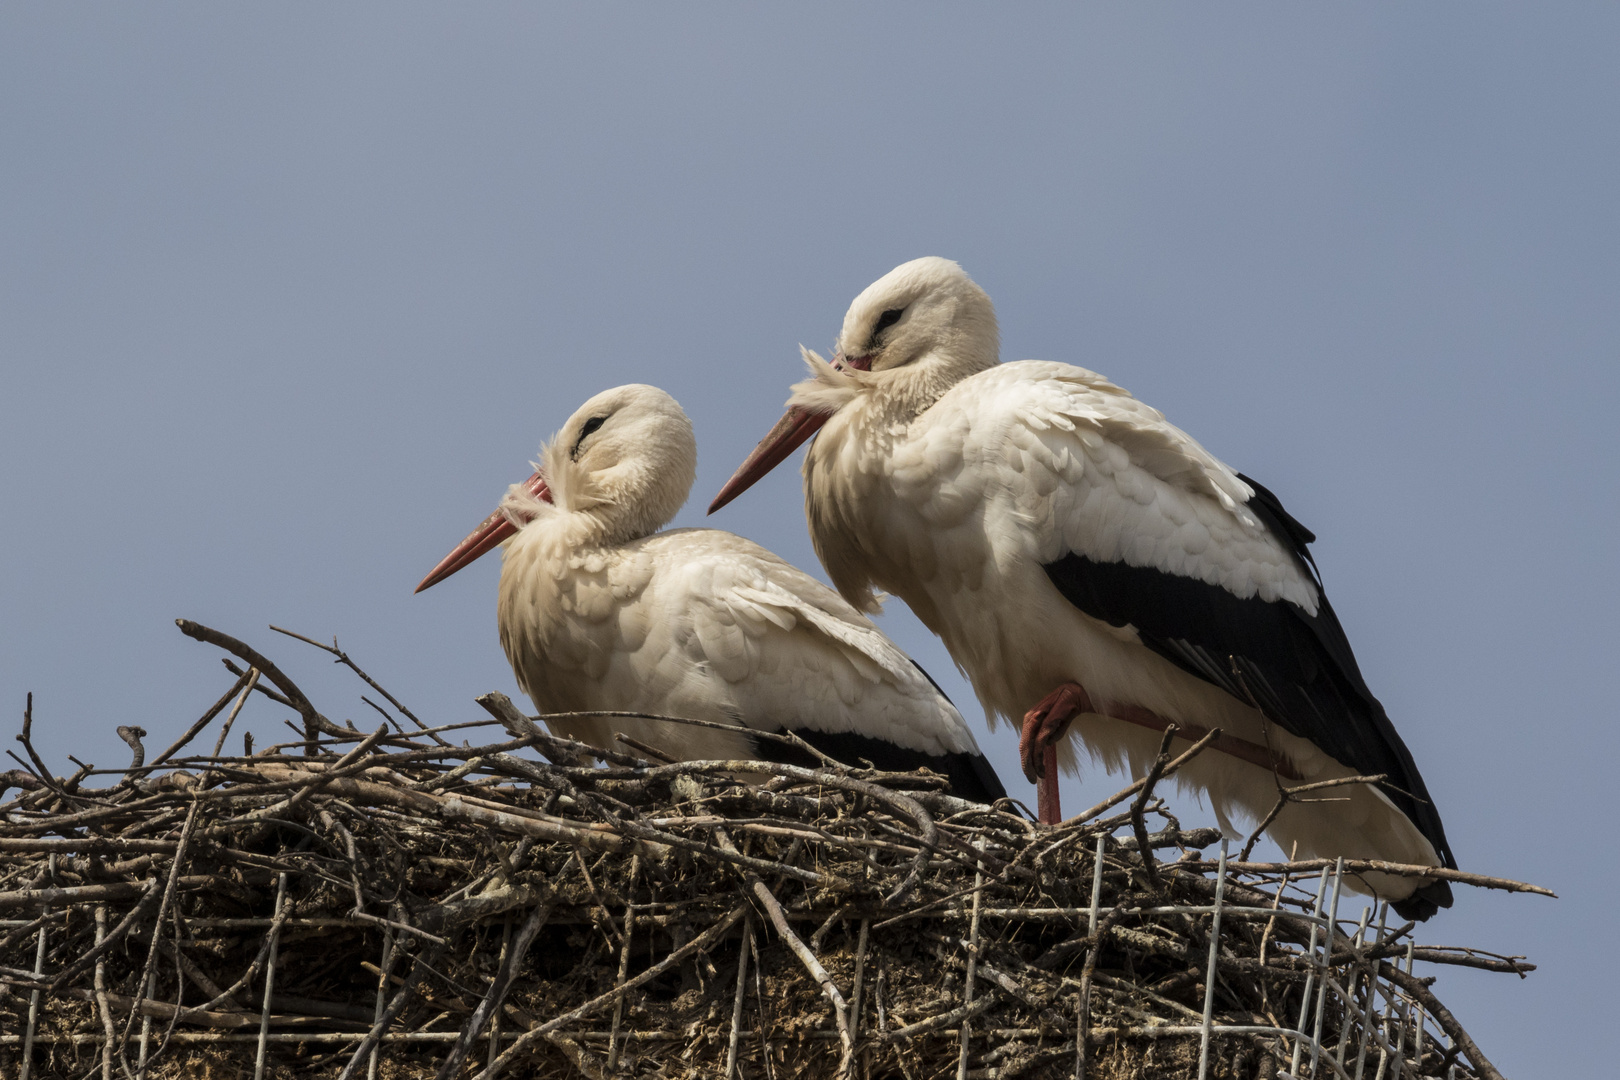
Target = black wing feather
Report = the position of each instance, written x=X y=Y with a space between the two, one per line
x=1298 y=668
x=970 y=775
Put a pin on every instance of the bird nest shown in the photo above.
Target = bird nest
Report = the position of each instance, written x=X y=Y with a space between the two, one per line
x=394 y=904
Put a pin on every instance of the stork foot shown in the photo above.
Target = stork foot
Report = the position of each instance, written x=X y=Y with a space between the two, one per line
x=1044 y=726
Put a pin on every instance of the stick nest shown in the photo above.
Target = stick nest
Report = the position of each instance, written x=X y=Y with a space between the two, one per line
x=390 y=904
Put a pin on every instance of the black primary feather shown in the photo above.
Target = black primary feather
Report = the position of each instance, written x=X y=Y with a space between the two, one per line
x=1297 y=668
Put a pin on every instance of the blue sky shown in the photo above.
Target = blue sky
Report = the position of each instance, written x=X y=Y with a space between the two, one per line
x=288 y=296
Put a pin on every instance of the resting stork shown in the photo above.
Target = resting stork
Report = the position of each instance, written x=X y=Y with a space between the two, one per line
x=600 y=611
x=1087 y=562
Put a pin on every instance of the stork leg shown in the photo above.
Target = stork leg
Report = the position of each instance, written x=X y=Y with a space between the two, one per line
x=1044 y=726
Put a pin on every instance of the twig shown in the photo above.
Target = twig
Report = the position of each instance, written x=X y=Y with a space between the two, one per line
x=103 y=1009
x=603 y=921
x=1286 y=795
x=773 y=909
x=406 y=928
x=1137 y=824
x=27 y=739
x=964 y=1034
x=384 y=714
x=186 y=967
x=942 y=1020
x=191 y=732
x=651 y=753
x=1421 y=992
x=1271 y=923
x=313 y=720
x=491 y=1003
x=556 y=749
x=1378 y=866
x=1083 y=999
x=596 y=1004
x=419 y=968
x=132 y=736
x=624 y=963
x=384 y=973
x=236 y=710
x=1131 y=789
x=163 y=907
x=263 y=690
x=269 y=979
x=343 y=658
x=331 y=822
x=737 y=999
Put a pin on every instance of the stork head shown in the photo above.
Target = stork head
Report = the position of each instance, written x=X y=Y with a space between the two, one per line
x=914 y=332
x=627 y=458
x=927 y=310
x=625 y=461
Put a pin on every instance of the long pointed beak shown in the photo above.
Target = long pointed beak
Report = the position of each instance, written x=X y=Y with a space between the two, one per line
x=489 y=534
x=788 y=435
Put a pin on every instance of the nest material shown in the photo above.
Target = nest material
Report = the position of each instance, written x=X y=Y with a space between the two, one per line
x=393 y=905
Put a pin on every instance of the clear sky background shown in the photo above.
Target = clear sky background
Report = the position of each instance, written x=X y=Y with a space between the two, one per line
x=288 y=297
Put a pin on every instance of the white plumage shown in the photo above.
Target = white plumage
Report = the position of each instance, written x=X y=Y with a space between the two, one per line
x=600 y=612
x=1053 y=530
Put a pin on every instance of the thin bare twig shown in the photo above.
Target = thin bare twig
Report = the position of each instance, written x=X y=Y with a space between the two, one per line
x=344 y=659
x=314 y=722
x=419 y=967
x=1160 y=763
x=1422 y=993
x=202 y=722
x=492 y=1000
x=773 y=911
x=1131 y=789
x=703 y=941
x=1287 y=795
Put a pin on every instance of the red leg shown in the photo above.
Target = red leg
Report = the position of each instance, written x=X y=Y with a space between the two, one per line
x=1048 y=721
x=1044 y=725
x=1047 y=808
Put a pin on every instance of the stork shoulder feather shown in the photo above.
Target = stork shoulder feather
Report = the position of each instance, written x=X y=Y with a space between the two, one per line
x=1086 y=468
x=744 y=602
x=813 y=646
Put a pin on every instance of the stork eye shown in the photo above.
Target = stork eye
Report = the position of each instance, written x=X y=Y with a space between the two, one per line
x=887 y=319
x=587 y=430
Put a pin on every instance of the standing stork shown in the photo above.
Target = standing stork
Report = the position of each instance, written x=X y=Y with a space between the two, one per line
x=600 y=611
x=1088 y=563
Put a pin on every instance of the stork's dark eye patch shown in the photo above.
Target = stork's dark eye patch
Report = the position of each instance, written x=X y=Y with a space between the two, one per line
x=587 y=430
x=887 y=319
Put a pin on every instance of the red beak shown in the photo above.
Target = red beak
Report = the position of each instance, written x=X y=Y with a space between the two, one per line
x=489 y=534
x=788 y=435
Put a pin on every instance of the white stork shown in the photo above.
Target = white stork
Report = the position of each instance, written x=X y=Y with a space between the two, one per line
x=601 y=611
x=1084 y=560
